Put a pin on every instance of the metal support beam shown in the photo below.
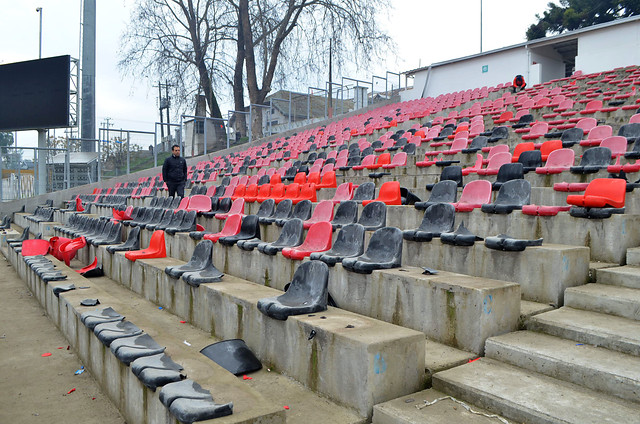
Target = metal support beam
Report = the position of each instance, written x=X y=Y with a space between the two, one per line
x=88 y=68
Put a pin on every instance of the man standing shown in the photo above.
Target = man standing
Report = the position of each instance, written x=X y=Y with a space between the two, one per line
x=174 y=172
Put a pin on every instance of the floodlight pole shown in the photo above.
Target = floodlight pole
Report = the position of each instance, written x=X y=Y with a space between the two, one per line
x=39 y=10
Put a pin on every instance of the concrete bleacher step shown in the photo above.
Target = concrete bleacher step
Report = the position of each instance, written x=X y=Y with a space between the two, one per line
x=412 y=409
x=254 y=400
x=335 y=353
x=624 y=276
x=529 y=309
x=440 y=357
x=615 y=333
x=613 y=300
x=633 y=256
x=606 y=371
x=528 y=397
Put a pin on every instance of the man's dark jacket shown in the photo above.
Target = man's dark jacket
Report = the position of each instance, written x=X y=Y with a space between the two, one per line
x=174 y=170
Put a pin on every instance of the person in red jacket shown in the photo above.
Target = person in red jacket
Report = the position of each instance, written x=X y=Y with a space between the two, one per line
x=518 y=84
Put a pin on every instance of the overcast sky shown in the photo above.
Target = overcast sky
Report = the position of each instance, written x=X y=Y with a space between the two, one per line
x=425 y=32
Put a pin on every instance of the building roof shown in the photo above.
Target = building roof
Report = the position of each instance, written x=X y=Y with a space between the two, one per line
x=76 y=157
x=534 y=43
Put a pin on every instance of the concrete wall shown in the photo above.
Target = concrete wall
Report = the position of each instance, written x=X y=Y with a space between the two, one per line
x=609 y=47
x=502 y=66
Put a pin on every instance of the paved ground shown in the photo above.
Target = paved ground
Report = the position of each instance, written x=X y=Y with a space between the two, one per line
x=34 y=389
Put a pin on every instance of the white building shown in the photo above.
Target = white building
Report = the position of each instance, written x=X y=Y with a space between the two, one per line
x=592 y=49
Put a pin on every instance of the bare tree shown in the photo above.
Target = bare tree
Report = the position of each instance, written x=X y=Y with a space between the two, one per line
x=277 y=31
x=209 y=46
x=180 y=40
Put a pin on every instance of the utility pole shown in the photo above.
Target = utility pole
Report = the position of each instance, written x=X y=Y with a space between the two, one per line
x=163 y=103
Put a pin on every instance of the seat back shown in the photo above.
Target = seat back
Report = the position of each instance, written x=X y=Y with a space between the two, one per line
x=600 y=132
x=514 y=192
x=318 y=237
x=616 y=143
x=309 y=286
x=302 y=210
x=284 y=209
x=612 y=190
x=292 y=233
x=346 y=213
x=510 y=171
x=630 y=131
x=267 y=208
x=530 y=159
x=349 y=241
x=586 y=124
x=444 y=192
x=498 y=160
x=385 y=245
x=453 y=173
x=365 y=191
x=373 y=216
x=476 y=192
x=199 y=203
x=323 y=211
x=438 y=218
x=389 y=193
x=237 y=207
x=596 y=156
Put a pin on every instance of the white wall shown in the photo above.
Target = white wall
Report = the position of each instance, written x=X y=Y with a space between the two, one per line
x=609 y=48
x=457 y=76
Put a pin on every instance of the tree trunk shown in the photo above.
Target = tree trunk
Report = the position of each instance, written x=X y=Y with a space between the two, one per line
x=238 y=85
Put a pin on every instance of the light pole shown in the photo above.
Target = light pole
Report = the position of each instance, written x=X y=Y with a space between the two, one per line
x=39 y=10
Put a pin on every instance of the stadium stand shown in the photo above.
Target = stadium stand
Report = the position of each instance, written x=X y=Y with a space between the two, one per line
x=538 y=283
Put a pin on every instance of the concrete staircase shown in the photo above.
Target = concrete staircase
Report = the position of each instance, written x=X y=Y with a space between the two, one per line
x=576 y=364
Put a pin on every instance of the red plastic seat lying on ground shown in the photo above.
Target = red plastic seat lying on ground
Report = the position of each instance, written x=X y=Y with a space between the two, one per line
x=474 y=195
x=156 y=249
x=68 y=250
x=318 y=240
x=54 y=246
x=323 y=212
x=389 y=194
x=35 y=247
x=600 y=193
x=79 y=207
x=90 y=267
x=231 y=228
